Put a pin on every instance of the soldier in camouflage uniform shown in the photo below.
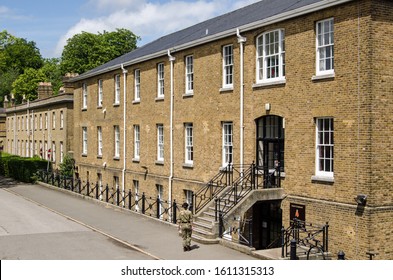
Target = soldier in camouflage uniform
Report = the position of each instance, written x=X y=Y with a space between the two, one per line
x=185 y=225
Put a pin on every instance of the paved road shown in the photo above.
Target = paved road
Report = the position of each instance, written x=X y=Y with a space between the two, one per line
x=37 y=222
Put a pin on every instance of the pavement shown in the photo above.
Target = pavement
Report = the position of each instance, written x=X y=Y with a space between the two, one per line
x=151 y=237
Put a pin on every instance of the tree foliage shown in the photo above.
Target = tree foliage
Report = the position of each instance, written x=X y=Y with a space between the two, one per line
x=27 y=84
x=85 y=51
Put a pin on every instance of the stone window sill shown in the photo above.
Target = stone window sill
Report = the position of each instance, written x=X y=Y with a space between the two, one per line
x=325 y=179
x=323 y=77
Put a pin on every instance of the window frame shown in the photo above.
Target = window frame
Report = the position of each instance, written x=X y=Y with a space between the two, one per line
x=189 y=143
x=328 y=147
x=320 y=34
x=100 y=93
x=117 y=141
x=263 y=58
x=137 y=142
x=189 y=75
x=99 y=141
x=227 y=143
x=227 y=64
x=160 y=142
x=84 y=96
x=137 y=85
x=117 y=89
x=160 y=80
x=84 y=140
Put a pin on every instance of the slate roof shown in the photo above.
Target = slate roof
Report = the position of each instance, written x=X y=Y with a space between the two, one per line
x=211 y=29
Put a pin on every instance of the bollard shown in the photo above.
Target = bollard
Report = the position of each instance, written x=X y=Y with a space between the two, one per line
x=341 y=255
x=293 y=250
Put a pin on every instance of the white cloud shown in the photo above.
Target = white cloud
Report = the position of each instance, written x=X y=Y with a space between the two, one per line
x=150 y=20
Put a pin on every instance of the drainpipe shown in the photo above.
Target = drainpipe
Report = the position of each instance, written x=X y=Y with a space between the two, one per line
x=172 y=60
x=241 y=40
x=123 y=179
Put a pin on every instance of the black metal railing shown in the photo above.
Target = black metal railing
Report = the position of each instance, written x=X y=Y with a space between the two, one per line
x=150 y=206
x=311 y=238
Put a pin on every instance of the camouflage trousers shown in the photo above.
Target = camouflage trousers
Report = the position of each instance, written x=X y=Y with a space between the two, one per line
x=186 y=235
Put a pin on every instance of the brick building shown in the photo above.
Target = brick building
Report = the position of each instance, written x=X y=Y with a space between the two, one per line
x=43 y=127
x=298 y=91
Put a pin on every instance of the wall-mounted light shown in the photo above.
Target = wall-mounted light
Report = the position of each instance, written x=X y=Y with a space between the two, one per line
x=104 y=164
x=267 y=106
x=361 y=199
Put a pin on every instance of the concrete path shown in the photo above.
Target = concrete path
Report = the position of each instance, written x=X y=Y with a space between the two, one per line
x=151 y=237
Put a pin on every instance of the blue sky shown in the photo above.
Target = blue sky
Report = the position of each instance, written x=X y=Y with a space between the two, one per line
x=50 y=23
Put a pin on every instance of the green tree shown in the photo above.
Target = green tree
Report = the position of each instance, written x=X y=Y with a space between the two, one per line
x=67 y=166
x=86 y=51
x=18 y=53
x=27 y=84
x=52 y=73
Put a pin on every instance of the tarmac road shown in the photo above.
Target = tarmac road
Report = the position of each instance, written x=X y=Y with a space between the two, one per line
x=38 y=222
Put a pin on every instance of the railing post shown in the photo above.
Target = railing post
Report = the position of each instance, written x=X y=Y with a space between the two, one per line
x=107 y=193
x=341 y=255
x=143 y=203
x=129 y=199
x=158 y=207
x=282 y=241
x=193 y=203
x=88 y=188
x=216 y=201
x=117 y=196
x=250 y=229
x=326 y=239
x=220 y=224
x=293 y=249
x=97 y=190
x=53 y=179
x=174 y=212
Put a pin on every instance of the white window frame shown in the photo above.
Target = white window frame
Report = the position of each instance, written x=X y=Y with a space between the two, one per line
x=137 y=85
x=117 y=141
x=137 y=143
x=100 y=94
x=189 y=143
x=61 y=152
x=84 y=140
x=54 y=120
x=325 y=42
x=268 y=52
x=117 y=89
x=160 y=80
x=227 y=143
x=189 y=60
x=84 y=96
x=40 y=121
x=61 y=119
x=46 y=120
x=160 y=142
x=53 y=155
x=227 y=66
x=324 y=147
x=99 y=141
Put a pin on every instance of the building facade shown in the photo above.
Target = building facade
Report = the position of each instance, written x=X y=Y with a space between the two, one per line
x=43 y=127
x=300 y=89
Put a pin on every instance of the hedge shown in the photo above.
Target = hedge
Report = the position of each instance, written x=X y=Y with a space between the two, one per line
x=21 y=169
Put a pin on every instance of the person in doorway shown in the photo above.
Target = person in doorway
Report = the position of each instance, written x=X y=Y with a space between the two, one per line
x=185 y=226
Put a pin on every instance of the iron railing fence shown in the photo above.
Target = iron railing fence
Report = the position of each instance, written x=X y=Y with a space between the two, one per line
x=151 y=206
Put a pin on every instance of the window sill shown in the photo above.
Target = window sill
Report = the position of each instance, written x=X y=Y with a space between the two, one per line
x=116 y=104
x=188 y=95
x=318 y=178
x=270 y=83
x=136 y=102
x=159 y=162
x=99 y=107
x=84 y=155
x=323 y=77
x=188 y=165
x=226 y=89
x=116 y=158
x=136 y=160
x=160 y=98
x=84 y=109
x=99 y=157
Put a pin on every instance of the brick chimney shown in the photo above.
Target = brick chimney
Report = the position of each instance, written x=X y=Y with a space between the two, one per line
x=44 y=90
x=68 y=86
